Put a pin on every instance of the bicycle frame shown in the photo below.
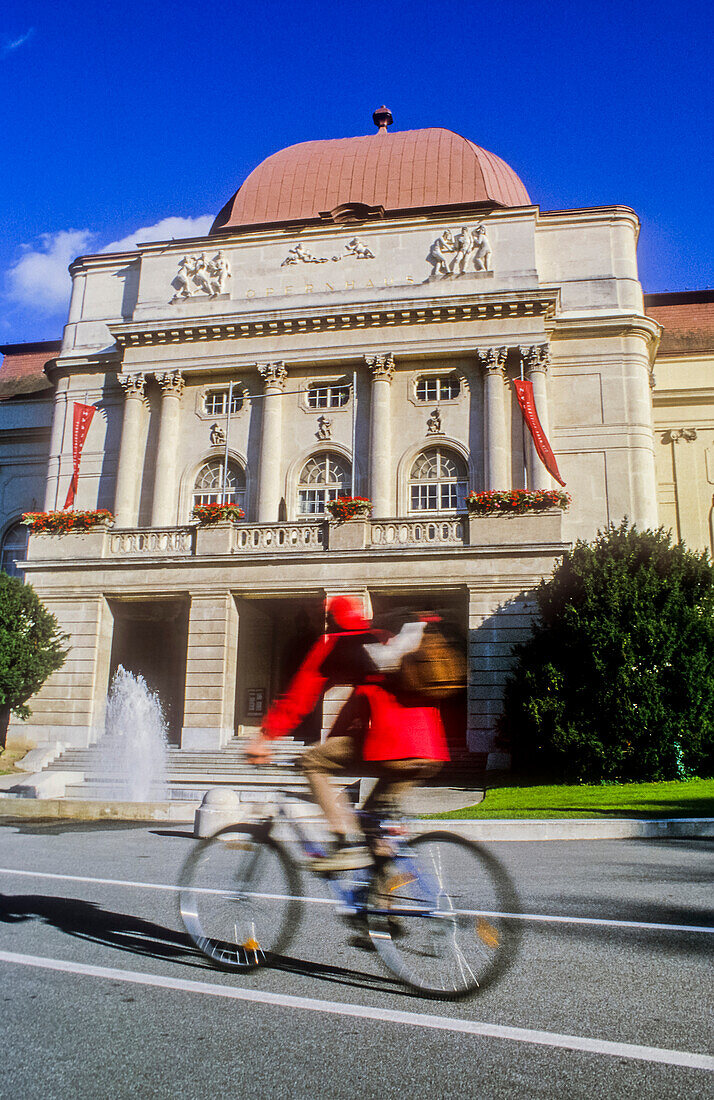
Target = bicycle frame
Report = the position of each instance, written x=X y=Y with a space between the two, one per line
x=351 y=894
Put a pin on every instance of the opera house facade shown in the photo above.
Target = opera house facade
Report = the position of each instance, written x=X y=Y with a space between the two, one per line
x=355 y=324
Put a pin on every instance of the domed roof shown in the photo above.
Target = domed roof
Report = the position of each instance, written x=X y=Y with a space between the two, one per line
x=411 y=170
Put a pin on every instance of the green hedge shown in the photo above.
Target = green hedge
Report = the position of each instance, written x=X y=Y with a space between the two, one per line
x=617 y=680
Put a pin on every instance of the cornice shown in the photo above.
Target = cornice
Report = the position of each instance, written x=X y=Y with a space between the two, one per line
x=609 y=324
x=363 y=315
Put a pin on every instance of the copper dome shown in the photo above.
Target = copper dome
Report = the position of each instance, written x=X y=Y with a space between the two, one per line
x=411 y=170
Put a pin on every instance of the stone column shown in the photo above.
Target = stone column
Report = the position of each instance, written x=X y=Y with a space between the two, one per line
x=126 y=494
x=54 y=465
x=269 y=481
x=163 y=513
x=381 y=475
x=497 y=457
x=536 y=360
x=211 y=661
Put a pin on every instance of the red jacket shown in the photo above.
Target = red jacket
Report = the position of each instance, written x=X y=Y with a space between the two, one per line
x=394 y=728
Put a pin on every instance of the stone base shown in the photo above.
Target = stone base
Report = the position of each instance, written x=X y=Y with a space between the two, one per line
x=68 y=547
x=351 y=535
x=498 y=762
x=205 y=737
x=534 y=527
x=47 y=784
x=26 y=735
x=215 y=538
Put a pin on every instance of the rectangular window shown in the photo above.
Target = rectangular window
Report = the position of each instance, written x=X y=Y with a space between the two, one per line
x=424 y=498
x=328 y=397
x=438 y=387
x=216 y=402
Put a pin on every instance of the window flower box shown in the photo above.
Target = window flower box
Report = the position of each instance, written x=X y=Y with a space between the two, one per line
x=62 y=523
x=516 y=502
x=342 y=509
x=207 y=514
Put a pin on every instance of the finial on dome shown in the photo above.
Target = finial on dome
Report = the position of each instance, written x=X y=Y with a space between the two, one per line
x=382 y=118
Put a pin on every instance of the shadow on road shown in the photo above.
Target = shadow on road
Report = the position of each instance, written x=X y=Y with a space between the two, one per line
x=87 y=921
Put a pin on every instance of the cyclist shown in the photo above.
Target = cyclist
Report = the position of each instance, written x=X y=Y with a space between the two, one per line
x=380 y=731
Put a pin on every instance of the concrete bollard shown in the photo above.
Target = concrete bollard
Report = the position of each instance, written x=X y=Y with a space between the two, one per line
x=220 y=807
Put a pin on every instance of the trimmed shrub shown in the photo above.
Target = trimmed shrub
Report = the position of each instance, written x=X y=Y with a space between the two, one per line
x=617 y=680
x=31 y=647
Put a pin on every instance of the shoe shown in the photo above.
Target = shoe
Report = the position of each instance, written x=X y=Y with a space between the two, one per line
x=343 y=857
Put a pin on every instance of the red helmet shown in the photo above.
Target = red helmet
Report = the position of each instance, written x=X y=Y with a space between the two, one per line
x=348 y=613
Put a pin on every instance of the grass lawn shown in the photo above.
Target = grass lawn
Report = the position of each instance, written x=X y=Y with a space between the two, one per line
x=8 y=758
x=690 y=798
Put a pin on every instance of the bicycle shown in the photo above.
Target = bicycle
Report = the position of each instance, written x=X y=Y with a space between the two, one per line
x=435 y=906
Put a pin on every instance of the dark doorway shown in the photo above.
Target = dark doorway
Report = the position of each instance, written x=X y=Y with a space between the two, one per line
x=150 y=640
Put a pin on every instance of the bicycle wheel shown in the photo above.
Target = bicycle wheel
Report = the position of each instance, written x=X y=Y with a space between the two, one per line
x=239 y=898
x=438 y=916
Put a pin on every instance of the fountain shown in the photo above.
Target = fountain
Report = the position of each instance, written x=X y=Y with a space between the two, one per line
x=131 y=759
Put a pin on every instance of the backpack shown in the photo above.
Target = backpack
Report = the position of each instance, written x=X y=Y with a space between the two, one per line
x=422 y=660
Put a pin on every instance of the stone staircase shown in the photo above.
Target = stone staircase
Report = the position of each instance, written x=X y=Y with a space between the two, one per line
x=193 y=772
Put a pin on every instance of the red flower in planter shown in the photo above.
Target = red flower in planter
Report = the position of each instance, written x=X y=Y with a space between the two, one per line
x=516 y=501
x=346 y=508
x=60 y=523
x=217 y=513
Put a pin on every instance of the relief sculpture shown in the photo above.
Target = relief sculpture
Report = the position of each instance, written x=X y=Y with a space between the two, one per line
x=354 y=249
x=202 y=275
x=468 y=251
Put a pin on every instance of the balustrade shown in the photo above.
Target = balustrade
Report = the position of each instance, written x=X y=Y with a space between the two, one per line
x=279 y=536
x=418 y=532
x=152 y=541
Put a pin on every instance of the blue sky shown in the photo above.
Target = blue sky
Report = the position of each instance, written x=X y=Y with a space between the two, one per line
x=117 y=117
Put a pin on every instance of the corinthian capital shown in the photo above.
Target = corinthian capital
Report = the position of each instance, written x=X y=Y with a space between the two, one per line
x=132 y=384
x=273 y=374
x=535 y=357
x=171 y=382
x=493 y=360
x=381 y=367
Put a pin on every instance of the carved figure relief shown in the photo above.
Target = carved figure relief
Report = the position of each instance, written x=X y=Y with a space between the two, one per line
x=218 y=436
x=202 y=275
x=468 y=251
x=354 y=249
x=324 y=428
x=300 y=255
x=676 y=435
x=433 y=424
x=358 y=249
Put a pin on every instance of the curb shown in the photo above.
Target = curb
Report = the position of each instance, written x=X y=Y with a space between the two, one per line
x=572 y=828
x=494 y=829
x=77 y=809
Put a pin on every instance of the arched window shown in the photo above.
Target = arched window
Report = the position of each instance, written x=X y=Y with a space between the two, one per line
x=209 y=487
x=14 y=548
x=322 y=478
x=438 y=482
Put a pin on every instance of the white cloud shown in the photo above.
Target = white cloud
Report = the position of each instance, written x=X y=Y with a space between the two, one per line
x=165 y=230
x=17 y=42
x=40 y=278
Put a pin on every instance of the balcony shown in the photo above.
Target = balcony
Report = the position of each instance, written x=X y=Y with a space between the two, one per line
x=308 y=537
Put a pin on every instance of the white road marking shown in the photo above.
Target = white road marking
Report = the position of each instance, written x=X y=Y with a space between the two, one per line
x=542 y=918
x=684 y=1058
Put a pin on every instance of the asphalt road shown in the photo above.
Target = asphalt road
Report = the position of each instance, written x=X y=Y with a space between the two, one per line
x=104 y=997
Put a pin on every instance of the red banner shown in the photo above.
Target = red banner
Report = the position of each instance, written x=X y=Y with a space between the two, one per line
x=82 y=419
x=524 y=393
